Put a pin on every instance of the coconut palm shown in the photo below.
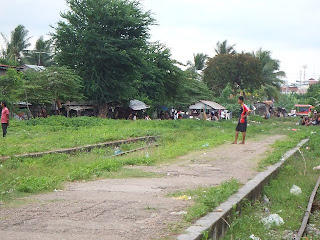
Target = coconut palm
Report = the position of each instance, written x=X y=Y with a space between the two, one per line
x=224 y=48
x=41 y=55
x=197 y=65
x=271 y=74
x=17 y=43
x=199 y=61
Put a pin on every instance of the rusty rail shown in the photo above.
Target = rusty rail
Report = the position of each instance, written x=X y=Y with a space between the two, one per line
x=86 y=148
x=308 y=212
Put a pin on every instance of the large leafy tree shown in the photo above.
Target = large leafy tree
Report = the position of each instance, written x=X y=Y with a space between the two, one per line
x=224 y=48
x=160 y=77
x=18 y=42
x=103 y=40
x=11 y=85
x=52 y=84
x=313 y=95
x=241 y=71
x=41 y=55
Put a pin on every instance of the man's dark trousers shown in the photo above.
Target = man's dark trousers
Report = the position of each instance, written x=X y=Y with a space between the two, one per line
x=4 y=129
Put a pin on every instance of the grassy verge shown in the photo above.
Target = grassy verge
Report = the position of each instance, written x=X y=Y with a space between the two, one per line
x=49 y=172
x=289 y=207
x=204 y=201
x=58 y=132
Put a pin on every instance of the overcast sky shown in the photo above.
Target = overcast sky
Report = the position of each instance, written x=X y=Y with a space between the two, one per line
x=288 y=28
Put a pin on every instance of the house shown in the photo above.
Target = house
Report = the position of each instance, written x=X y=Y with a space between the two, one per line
x=4 y=69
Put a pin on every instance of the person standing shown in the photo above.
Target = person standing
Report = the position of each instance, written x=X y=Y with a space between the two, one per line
x=4 y=118
x=242 y=124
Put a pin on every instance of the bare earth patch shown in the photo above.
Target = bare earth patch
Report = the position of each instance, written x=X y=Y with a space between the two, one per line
x=136 y=209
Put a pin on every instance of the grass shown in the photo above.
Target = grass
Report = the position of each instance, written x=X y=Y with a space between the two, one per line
x=33 y=175
x=207 y=199
x=288 y=206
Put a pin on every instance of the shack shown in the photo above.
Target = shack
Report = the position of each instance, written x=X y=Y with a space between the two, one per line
x=207 y=107
x=80 y=109
x=262 y=108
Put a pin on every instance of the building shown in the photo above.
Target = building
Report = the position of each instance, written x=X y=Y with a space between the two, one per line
x=298 y=88
x=4 y=69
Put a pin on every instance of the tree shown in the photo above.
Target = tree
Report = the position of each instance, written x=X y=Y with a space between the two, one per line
x=197 y=65
x=270 y=73
x=103 y=40
x=224 y=48
x=52 y=84
x=313 y=95
x=160 y=77
x=241 y=71
x=286 y=101
x=11 y=85
x=41 y=55
x=18 y=42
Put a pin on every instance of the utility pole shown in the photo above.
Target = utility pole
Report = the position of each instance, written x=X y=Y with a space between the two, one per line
x=304 y=73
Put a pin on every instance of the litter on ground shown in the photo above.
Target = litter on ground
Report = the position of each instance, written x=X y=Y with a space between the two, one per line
x=295 y=190
x=273 y=219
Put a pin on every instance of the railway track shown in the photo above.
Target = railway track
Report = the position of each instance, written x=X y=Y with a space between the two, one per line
x=86 y=148
x=305 y=221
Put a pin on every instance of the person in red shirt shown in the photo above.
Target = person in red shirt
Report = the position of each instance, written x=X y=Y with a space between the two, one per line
x=242 y=124
x=4 y=117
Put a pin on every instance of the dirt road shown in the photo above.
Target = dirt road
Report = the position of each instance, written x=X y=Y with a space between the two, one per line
x=135 y=209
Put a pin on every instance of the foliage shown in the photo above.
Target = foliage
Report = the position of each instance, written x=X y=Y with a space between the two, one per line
x=102 y=40
x=198 y=63
x=8 y=62
x=241 y=71
x=224 y=48
x=206 y=199
x=270 y=74
x=191 y=91
x=18 y=42
x=313 y=95
x=160 y=77
x=286 y=101
x=54 y=83
x=41 y=55
x=228 y=99
x=10 y=85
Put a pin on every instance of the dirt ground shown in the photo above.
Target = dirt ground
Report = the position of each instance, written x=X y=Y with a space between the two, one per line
x=136 y=209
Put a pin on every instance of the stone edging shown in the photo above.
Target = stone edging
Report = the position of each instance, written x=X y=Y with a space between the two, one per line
x=217 y=222
x=86 y=148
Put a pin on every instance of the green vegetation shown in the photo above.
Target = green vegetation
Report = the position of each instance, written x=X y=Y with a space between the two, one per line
x=290 y=207
x=207 y=199
x=176 y=138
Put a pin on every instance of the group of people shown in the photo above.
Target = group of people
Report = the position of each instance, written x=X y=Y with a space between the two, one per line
x=311 y=119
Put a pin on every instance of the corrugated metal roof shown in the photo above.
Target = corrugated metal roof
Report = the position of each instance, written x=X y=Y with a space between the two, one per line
x=137 y=105
x=214 y=105
x=202 y=104
x=35 y=67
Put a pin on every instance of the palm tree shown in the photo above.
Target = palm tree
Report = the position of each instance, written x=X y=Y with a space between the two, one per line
x=199 y=61
x=270 y=73
x=224 y=48
x=41 y=55
x=198 y=64
x=18 y=42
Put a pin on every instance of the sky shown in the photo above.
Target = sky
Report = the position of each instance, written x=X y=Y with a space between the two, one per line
x=287 y=28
